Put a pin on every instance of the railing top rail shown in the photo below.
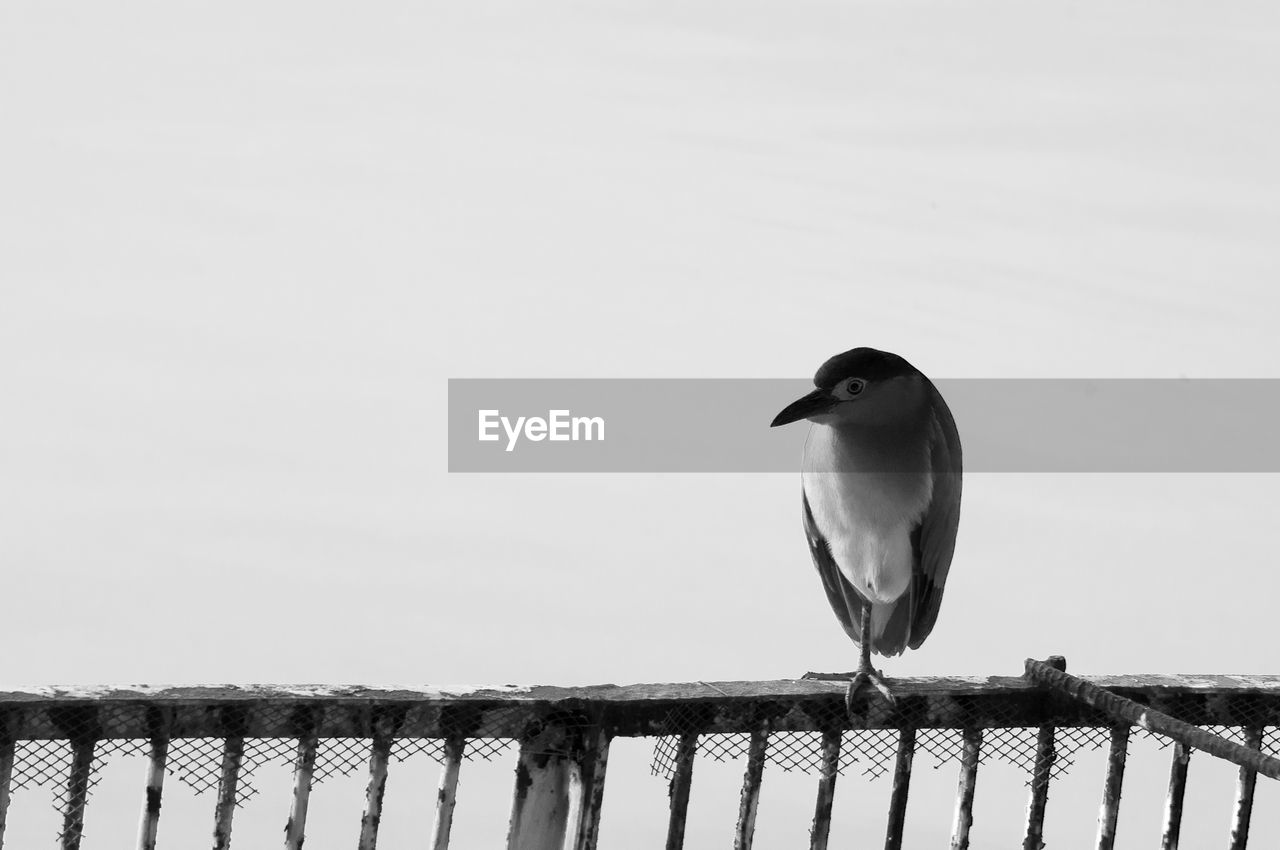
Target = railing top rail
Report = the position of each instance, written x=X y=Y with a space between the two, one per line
x=620 y=695
x=632 y=710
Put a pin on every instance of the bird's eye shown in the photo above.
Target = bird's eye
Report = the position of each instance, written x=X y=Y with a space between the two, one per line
x=855 y=386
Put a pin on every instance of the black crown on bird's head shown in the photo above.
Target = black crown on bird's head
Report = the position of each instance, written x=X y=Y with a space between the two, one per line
x=870 y=364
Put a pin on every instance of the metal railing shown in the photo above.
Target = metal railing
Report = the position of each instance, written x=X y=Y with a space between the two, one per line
x=564 y=736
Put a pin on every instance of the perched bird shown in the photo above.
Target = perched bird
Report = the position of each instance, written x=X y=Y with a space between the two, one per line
x=881 y=476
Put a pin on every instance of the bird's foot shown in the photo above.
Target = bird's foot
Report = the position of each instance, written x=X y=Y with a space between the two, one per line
x=860 y=681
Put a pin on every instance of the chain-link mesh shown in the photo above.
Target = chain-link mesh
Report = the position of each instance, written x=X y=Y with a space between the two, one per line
x=49 y=764
x=874 y=750
x=200 y=762
x=40 y=763
x=196 y=761
x=340 y=757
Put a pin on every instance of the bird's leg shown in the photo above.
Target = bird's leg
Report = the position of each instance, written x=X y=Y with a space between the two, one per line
x=866 y=674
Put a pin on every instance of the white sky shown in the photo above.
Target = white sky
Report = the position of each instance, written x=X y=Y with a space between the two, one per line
x=242 y=247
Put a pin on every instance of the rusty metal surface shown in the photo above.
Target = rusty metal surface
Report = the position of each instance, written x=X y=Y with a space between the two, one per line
x=447 y=794
x=1245 y=784
x=749 y=803
x=559 y=793
x=901 y=789
x=1109 y=813
x=1147 y=717
x=678 y=792
x=6 y=777
x=644 y=692
x=224 y=812
x=370 y=820
x=1172 y=830
x=541 y=802
x=1046 y=753
x=591 y=765
x=379 y=760
x=789 y=705
x=1042 y=773
x=970 y=756
x=821 y=829
x=304 y=766
x=157 y=757
x=77 y=793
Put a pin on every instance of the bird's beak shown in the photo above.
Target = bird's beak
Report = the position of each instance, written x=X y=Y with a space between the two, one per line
x=818 y=401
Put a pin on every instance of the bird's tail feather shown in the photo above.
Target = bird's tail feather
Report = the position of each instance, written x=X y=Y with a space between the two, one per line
x=891 y=625
x=890 y=621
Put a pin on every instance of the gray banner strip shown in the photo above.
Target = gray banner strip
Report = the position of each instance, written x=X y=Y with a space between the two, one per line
x=722 y=425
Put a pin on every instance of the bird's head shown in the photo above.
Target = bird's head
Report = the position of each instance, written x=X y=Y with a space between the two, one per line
x=862 y=386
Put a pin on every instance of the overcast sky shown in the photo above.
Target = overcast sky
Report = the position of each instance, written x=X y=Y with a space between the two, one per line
x=243 y=246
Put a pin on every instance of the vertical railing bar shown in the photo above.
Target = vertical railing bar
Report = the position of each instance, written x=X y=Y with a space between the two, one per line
x=901 y=789
x=228 y=785
x=543 y=793
x=447 y=794
x=6 y=771
x=1041 y=773
x=830 y=770
x=157 y=757
x=584 y=833
x=77 y=792
x=1042 y=770
x=1248 y=778
x=1173 y=801
x=750 y=800
x=304 y=767
x=678 y=792
x=970 y=756
x=574 y=785
x=379 y=758
x=1109 y=813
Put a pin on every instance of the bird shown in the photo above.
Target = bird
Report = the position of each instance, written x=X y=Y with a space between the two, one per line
x=881 y=477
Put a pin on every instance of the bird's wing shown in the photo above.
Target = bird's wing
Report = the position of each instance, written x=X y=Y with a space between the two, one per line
x=934 y=539
x=845 y=601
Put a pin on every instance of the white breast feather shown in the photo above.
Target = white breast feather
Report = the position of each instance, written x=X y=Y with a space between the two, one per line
x=866 y=517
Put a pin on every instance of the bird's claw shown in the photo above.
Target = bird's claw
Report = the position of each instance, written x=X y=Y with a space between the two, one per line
x=859 y=681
